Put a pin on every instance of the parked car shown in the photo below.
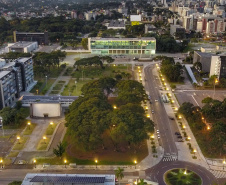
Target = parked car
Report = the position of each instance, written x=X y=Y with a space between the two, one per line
x=179 y=137
x=171 y=118
x=177 y=133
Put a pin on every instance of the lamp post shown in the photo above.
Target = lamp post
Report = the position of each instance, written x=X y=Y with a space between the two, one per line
x=1 y=161
x=51 y=123
x=1 y=124
x=46 y=80
x=29 y=125
x=18 y=139
x=65 y=163
x=44 y=138
x=96 y=161
x=215 y=81
x=34 y=161
x=115 y=107
x=37 y=91
x=135 y=162
x=224 y=162
x=194 y=152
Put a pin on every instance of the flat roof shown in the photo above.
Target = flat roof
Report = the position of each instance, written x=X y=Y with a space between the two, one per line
x=7 y=65
x=204 y=54
x=30 y=33
x=21 y=44
x=105 y=179
x=4 y=73
x=116 y=23
x=23 y=59
x=123 y=39
x=49 y=98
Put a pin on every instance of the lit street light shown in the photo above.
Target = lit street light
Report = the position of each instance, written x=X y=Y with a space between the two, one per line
x=115 y=107
x=194 y=152
x=18 y=139
x=51 y=123
x=34 y=161
x=215 y=81
x=29 y=125
x=44 y=138
x=135 y=162
x=224 y=162
x=1 y=161
x=65 y=163
x=96 y=161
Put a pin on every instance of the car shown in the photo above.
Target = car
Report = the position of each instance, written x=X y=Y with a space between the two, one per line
x=149 y=97
x=135 y=58
x=179 y=137
x=150 y=102
x=171 y=118
x=158 y=136
x=156 y=100
x=180 y=140
x=157 y=131
x=177 y=133
x=152 y=111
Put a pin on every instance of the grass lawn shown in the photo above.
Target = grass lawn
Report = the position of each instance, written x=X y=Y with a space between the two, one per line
x=58 y=86
x=29 y=129
x=75 y=53
x=42 y=145
x=50 y=129
x=97 y=72
x=41 y=86
x=46 y=87
x=71 y=89
x=20 y=144
x=178 y=177
x=13 y=154
x=107 y=156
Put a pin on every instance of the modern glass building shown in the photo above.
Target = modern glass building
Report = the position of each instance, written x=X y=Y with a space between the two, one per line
x=109 y=46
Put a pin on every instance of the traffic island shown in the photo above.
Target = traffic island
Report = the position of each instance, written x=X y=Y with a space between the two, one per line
x=50 y=129
x=43 y=143
x=182 y=177
x=29 y=129
x=21 y=141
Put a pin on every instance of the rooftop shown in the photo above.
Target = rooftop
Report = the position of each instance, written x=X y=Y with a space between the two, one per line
x=21 y=44
x=3 y=73
x=69 y=179
x=123 y=39
x=29 y=33
x=116 y=23
x=202 y=54
x=24 y=59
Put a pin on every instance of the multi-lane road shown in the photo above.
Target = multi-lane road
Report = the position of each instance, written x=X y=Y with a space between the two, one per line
x=167 y=128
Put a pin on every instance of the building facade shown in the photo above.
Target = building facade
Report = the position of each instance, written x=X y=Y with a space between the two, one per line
x=15 y=76
x=106 y=46
x=218 y=66
x=22 y=47
x=41 y=38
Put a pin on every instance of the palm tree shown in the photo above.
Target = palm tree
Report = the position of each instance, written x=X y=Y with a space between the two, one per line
x=119 y=173
x=141 y=182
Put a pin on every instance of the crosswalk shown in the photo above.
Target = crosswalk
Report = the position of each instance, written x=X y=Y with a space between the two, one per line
x=218 y=174
x=167 y=158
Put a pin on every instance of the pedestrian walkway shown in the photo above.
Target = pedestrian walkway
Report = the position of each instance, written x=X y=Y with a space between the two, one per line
x=218 y=174
x=167 y=158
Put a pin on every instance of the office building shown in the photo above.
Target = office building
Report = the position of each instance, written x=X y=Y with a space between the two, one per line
x=68 y=179
x=218 y=66
x=15 y=76
x=22 y=47
x=149 y=28
x=143 y=45
x=204 y=59
x=176 y=30
x=116 y=24
x=41 y=38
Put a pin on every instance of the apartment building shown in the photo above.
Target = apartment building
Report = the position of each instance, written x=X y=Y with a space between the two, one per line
x=15 y=76
x=218 y=66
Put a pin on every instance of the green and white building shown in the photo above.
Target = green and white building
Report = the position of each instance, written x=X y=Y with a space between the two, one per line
x=122 y=46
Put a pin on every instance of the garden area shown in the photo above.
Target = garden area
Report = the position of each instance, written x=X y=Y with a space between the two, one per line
x=182 y=177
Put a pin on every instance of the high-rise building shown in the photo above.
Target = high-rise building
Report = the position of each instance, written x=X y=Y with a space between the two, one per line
x=218 y=66
x=15 y=76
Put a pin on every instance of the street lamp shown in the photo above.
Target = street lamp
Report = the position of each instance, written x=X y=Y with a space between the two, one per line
x=135 y=162
x=194 y=152
x=44 y=138
x=18 y=139
x=29 y=125
x=215 y=81
x=115 y=107
x=1 y=161
x=46 y=80
x=179 y=116
x=65 y=163
x=37 y=91
x=51 y=123
x=224 y=162
x=148 y=116
x=184 y=127
x=208 y=127
x=152 y=136
x=34 y=161
x=96 y=161
x=185 y=172
x=189 y=138
x=176 y=109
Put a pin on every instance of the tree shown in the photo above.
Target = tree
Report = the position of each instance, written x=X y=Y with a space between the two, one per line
x=198 y=66
x=142 y=182
x=59 y=151
x=119 y=173
x=85 y=43
x=15 y=183
x=218 y=137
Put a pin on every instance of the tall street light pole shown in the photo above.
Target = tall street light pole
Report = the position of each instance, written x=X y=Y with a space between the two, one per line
x=215 y=81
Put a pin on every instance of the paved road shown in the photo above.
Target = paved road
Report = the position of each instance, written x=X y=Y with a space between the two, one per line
x=167 y=137
x=160 y=115
x=157 y=172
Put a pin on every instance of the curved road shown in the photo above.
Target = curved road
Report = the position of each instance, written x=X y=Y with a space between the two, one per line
x=167 y=128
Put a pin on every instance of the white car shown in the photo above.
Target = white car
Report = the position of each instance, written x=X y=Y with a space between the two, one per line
x=152 y=111
x=157 y=131
x=156 y=100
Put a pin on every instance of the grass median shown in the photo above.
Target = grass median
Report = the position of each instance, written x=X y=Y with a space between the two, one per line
x=13 y=154
x=29 y=129
x=20 y=143
x=50 y=129
x=43 y=144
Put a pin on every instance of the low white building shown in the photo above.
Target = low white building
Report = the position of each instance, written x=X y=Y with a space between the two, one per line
x=22 y=47
x=68 y=179
x=116 y=24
